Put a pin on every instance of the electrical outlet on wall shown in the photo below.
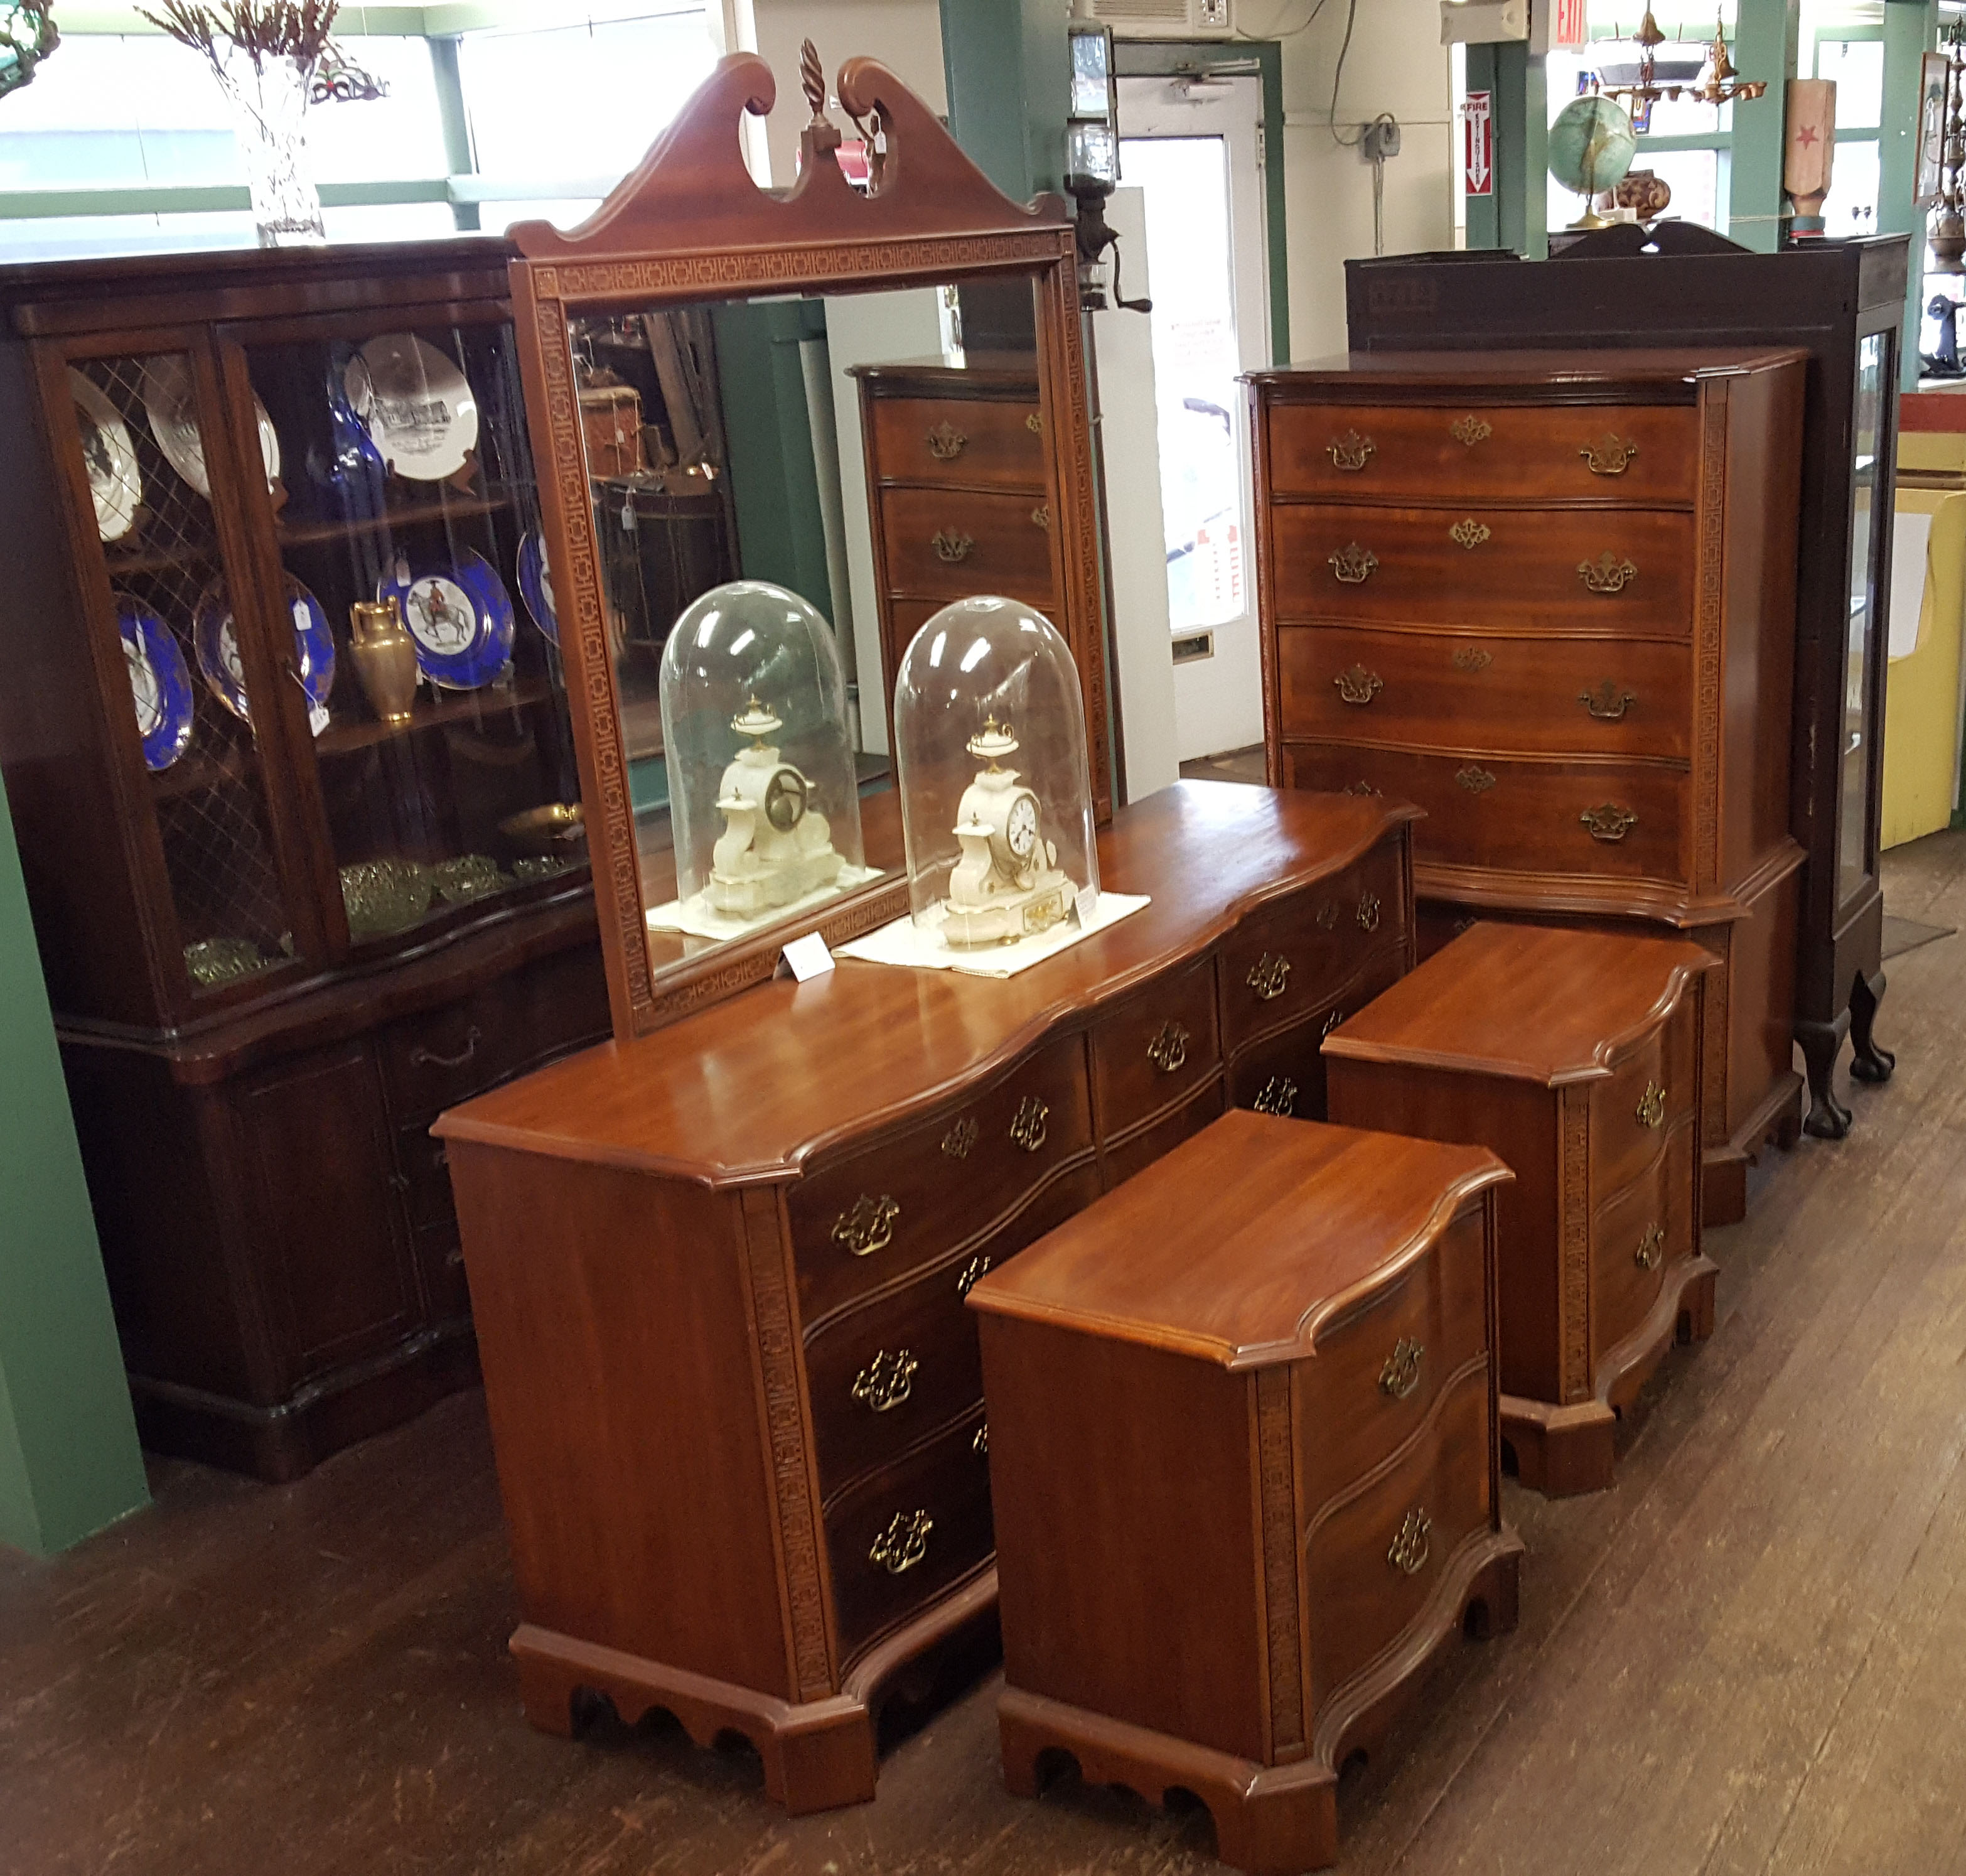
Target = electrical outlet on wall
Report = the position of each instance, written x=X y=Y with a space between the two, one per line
x=1381 y=140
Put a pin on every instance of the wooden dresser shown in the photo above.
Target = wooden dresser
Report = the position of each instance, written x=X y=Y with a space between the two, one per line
x=1550 y=597
x=718 y=1273
x=956 y=492
x=1575 y=1055
x=1242 y=1436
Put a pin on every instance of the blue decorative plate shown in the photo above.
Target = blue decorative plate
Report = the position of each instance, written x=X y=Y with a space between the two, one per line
x=459 y=615
x=536 y=584
x=215 y=638
x=160 y=682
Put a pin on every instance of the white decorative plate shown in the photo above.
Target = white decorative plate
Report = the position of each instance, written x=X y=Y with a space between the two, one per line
x=111 y=458
x=417 y=404
x=170 y=401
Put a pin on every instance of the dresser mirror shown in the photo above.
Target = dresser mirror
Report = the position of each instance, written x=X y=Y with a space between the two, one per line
x=806 y=419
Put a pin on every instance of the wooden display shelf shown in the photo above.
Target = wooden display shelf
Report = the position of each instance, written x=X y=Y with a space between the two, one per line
x=314 y=534
x=343 y=738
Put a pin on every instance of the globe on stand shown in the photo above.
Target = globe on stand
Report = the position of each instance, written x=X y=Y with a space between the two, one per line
x=1591 y=146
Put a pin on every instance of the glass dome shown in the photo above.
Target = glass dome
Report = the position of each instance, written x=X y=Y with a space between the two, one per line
x=990 y=752
x=764 y=804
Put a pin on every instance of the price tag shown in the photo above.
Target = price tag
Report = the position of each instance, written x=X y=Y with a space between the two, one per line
x=808 y=957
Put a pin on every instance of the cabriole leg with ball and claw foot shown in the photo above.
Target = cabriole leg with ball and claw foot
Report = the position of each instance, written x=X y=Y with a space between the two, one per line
x=1868 y=1063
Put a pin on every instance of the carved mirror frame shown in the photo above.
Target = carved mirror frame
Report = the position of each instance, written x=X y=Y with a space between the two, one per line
x=689 y=224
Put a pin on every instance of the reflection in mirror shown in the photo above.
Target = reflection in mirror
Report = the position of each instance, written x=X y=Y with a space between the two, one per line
x=868 y=457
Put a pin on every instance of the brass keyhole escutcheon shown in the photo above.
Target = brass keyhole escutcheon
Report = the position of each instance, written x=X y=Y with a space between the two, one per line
x=1358 y=685
x=1472 y=657
x=1358 y=788
x=1327 y=916
x=1353 y=564
x=903 y=1543
x=957 y=1141
x=1474 y=778
x=1470 y=429
x=1168 y=1049
x=1408 y=1554
x=1277 y=1096
x=1651 y=1247
x=951 y=545
x=946 y=442
x=1606 y=574
x=1269 y=977
x=1609 y=701
x=977 y=1267
x=1041 y=516
x=1027 y=1129
x=1469 y=533
x=1650 y=1109
x=1369 y=912
x=1610 y=455
x=1351 y=452
x=884 y=1382
x=1610 y=824
x=868 y=1227
x=1034 y=424
x=1401 y=1375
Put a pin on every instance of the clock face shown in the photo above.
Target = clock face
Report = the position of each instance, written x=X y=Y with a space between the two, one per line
x=784 y=799
x=1021 y=825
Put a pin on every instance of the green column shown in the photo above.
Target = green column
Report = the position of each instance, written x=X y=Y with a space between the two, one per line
x=69 y=1462
x=1911 y=30
x=1764 y=48
x=1484 y=212
x=1522 y=150
x=454 y=121
x=1006 y=66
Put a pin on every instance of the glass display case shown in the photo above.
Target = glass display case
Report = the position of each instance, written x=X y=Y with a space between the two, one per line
x=764 y=805
x=991 y=758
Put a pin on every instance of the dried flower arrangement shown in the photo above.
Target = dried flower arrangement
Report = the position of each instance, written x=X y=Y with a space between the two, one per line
x=295 y=30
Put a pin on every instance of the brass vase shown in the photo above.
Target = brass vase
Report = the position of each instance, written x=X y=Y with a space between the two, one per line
x=385 y=658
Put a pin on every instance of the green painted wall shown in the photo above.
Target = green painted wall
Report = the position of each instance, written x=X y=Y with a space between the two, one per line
x=68 y=1462
x=1008 y=75
x=1765 y=45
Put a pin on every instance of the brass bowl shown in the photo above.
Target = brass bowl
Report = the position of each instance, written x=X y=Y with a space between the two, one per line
x=385 y=896
x=548 y=830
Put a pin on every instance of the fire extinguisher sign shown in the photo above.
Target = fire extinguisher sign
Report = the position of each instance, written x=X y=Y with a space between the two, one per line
x=1478 y=164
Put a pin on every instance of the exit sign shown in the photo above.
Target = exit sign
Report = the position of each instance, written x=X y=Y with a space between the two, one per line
x=1569 y=27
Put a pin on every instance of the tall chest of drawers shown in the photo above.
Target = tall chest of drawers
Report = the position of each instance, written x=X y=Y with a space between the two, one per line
x=719 y=1273
x=1550 y=597
x=956 y=492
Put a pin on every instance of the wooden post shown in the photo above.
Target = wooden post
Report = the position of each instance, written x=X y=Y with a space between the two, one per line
x=68 y=1462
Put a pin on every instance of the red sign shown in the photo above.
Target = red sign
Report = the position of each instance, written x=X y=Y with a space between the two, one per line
x=1568 y=27
x=1477 y=175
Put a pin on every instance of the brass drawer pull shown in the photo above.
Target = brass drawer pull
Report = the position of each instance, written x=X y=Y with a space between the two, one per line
x=422 y=1058
x=1358 y=788
x=1168 y=1049
x=1610 y=824
x=1369 y=912
x=1327 y=916
x=978 y=1266
x=1608 y=702
x=1331 y=1022
x=868 y=1227
x=1354 y=564
x=1408 y=1554
x=903 y=1543
x=1651 y=1105
x=1358 y=685
x=1041 y=515
x=1351 y=452
x=1475 y=779
x=950 y=546
x=1034 y=424
x=946 y=442
x=1650 y=1252
x=1470 y=429
x=1469 y=533
x=1609 y=456
x=1027 y=1130
x=980 y=1445
x=1401 y=1375
x=1472 y=657
x=886 y=1381
x=1269 y=977
x=1606 y=574
x=1277 y=1096
x=957 y=1142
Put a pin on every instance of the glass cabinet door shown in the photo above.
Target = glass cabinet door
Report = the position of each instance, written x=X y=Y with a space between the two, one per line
x=1869 y=537
x=419 y=607
x=143 y=433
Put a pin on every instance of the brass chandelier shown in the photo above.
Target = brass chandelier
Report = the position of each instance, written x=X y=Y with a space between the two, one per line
x=1718 y=81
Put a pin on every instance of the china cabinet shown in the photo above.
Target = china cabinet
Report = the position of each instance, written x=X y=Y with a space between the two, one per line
x=287 y=743
x=1843 y=302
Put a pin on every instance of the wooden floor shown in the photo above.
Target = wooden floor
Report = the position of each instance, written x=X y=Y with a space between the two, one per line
x=1750 y=1656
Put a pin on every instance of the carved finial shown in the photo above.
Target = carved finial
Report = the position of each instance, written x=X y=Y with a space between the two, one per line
x=812 y=80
